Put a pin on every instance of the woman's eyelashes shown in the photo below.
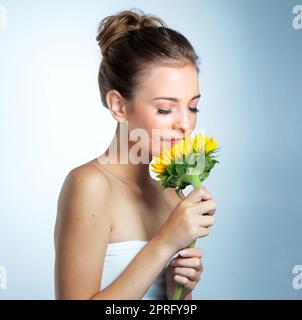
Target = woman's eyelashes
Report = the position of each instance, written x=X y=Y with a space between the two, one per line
x=162 y=111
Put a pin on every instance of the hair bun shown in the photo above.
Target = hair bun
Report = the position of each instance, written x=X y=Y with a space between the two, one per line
x=116 y=26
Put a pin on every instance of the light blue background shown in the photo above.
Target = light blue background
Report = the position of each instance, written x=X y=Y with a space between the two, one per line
x=51 y=120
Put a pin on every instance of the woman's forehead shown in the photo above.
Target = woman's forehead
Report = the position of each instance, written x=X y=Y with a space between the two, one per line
x=170 y=81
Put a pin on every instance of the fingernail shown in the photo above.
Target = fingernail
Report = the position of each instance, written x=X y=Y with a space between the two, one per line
x=184 y=252
x=172 y=262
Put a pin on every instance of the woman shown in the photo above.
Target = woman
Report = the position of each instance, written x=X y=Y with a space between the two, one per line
x=116 y=231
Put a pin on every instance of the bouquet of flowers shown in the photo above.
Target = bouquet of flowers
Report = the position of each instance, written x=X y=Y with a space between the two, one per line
x=188 y=162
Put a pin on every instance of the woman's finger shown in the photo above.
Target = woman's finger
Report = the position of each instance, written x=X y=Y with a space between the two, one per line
x=186 y=262
x=190 y=273
x=204 y=207
x=187 y=283
x=191 y=252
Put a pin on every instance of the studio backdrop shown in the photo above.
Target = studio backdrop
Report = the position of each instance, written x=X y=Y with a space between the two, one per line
x=52 y=120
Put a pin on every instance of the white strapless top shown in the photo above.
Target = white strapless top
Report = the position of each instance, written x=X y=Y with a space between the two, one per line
x=118 y=256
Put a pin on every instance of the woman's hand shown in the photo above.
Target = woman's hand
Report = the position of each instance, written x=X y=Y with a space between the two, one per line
x=186 y=271
x=190 y=219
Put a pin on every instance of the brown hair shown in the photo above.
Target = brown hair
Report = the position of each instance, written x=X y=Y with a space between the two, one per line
x=131 y=42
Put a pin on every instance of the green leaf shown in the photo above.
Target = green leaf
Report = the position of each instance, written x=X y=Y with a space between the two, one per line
x=180 y=169
x=204 y=175
x=164 y=179
x=169 y=179
x=191 y=160
x=170 y=169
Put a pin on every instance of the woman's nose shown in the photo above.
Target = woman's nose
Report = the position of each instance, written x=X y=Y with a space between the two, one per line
x=183 y=123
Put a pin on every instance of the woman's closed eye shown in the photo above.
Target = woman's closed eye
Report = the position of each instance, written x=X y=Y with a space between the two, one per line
x=162 y=111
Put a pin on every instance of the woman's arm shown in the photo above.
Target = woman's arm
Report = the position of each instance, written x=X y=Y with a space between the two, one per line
x=82 y=234
x=141 y=272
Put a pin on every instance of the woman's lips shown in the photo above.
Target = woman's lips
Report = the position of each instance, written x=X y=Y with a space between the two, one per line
x=172 y=141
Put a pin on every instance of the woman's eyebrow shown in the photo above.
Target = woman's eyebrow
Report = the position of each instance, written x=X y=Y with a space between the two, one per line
x=175 y=99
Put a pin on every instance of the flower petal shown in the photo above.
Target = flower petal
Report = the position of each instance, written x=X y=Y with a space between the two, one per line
x=198 y=142
x=158 y=170
x=210 y=144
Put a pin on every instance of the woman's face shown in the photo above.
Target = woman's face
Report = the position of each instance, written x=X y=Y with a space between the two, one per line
x=164 y=101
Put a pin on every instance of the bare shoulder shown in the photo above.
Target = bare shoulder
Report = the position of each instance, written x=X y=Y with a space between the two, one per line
x=87 y=177
x=84 y=193
x=82 y=232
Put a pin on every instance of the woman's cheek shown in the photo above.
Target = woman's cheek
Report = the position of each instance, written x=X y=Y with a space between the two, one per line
x=156 y=126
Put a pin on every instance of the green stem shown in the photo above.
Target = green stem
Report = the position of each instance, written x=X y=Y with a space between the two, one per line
x=179 y=287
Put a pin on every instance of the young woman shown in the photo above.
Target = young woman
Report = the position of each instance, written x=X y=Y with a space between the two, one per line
x=116 y=231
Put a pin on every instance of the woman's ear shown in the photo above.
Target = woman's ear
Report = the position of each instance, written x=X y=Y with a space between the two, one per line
x=117 y=105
